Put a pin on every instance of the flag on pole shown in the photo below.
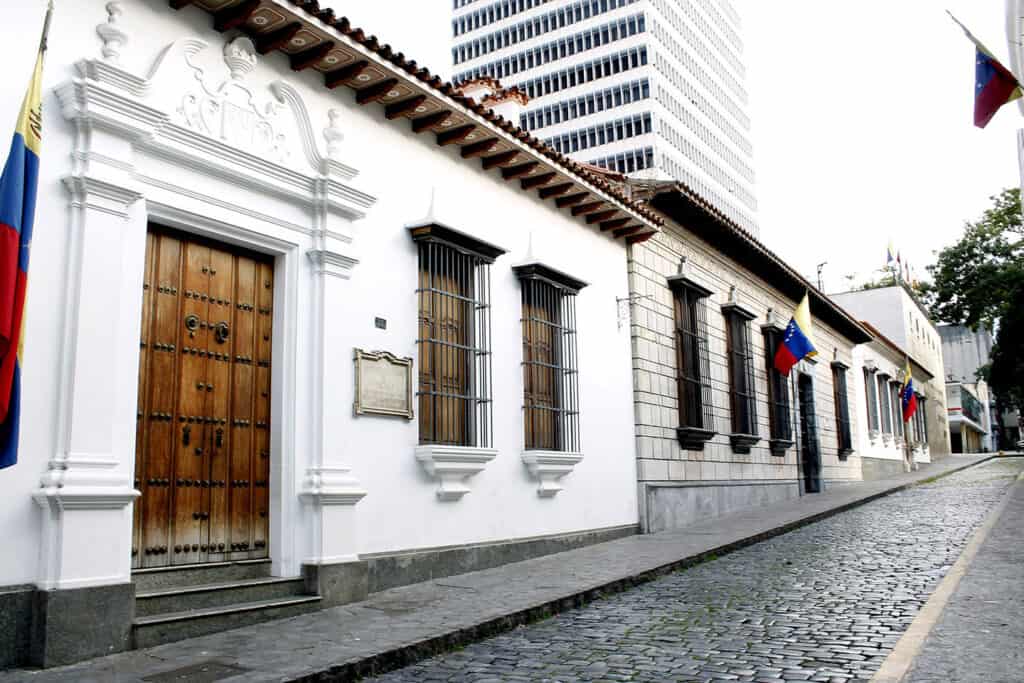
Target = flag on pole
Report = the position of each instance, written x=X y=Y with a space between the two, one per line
x=17 y=212
x=994 y=84
x=796 y=342
x=908 y=399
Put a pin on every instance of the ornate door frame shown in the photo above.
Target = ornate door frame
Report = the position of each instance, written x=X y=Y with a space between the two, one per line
x=120 y=180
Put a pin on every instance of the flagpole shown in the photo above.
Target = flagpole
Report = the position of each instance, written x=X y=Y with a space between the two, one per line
x=46 y=27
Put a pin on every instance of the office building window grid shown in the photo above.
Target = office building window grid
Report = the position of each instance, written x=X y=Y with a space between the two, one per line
x=602 y=134
x=627 y=162
x=586 y=105
x=534 y=27
x=597 y=69
x=560 y=49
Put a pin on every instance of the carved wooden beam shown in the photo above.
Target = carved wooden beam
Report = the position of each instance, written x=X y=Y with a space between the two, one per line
x=586 y=208
x=479 y=148
x=537 y=180
x=233 y=17
x=613 y=224
x=572 y=199
x=393 y=111
x=601 y=216
x=429 y=121
x=499 y=159
x=268 y=42
x=555 y=190
x=519 y=171
x=332 y=79
x=628 y=230
x=642 y=237
x=449 y=137
x=372 y=93
x=311 y=57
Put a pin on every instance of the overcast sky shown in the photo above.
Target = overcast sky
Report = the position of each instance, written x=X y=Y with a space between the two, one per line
x=862 y=120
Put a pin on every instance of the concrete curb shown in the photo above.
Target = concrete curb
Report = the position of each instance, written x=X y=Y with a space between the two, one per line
x=410 y=653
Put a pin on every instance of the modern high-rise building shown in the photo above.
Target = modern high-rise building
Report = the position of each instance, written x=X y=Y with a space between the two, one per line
x=653 y=88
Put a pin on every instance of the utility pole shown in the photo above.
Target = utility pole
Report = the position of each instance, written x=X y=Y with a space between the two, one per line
x=821 y=285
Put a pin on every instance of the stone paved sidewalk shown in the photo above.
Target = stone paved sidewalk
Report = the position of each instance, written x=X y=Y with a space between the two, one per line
x=978 y=638
x=403 y=625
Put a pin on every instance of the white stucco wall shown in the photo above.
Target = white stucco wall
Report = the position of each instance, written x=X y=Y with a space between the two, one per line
x=63 y=413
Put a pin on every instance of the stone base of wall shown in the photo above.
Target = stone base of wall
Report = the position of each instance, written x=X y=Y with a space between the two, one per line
x=388 y=570
x=15 y=625
x=673 y=505
x=880 y=468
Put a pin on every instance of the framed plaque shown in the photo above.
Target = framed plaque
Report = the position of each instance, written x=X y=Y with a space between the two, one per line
x=383 y=384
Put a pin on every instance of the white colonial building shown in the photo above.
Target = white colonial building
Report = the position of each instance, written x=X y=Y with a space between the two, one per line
x=886 y=444
x=304 y=323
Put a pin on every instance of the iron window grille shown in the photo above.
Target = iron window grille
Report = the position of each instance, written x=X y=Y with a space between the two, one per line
x=872 y=402
x=551 y=416
x=897 y=410
x=693 y=363
x=742 y=390
x=842 y=402
x=779 y=425
x=454 y=341
x=883 y=399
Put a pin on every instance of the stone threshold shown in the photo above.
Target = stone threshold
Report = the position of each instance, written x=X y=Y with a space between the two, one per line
x=400 y=626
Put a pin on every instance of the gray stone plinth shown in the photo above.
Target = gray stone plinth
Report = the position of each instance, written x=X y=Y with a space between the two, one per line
x=336 y=584
x=15 y=625
x=879 y=468
x=668 y=506
x=75 y=624
x=390 y=571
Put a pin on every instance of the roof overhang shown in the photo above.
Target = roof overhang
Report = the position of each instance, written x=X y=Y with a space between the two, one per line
x=691 y=212
x=313 y=38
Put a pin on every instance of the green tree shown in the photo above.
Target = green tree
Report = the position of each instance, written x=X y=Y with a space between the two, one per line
x=974 y=280
x=979 y=282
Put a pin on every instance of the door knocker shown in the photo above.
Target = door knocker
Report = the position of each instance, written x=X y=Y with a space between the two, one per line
x=192 y=324
x=221 y=332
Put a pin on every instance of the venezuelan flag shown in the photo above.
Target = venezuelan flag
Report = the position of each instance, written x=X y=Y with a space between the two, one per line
x=994 y=84
x=17 y=211
x=796 y=342
x=908 y=399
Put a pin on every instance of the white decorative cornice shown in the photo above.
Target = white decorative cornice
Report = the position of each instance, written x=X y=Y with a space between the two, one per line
x=101 y=195
x=329 y=485
x=452 y=466
x=549 y=467
x=332 y=263
x=84 y=482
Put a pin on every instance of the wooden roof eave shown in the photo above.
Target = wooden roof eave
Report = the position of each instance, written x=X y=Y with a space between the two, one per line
x=329 y=33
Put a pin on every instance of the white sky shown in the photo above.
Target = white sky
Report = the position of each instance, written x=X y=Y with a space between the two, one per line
x=862 y=120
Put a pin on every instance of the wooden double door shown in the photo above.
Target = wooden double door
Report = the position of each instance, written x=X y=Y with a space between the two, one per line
x=202 y=459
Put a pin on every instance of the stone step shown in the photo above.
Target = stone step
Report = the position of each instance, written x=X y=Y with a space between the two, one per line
x=149 y=580
x=192 y=598
x=169 y=627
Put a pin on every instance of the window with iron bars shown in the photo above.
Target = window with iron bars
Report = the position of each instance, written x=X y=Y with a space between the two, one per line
x=742 y=392
x=693 y=363
x=872 y=402
x=883 y=400
x=897 y=409
x=551 y=417
x=454 y=340
x=779 y=423
x=842 y=402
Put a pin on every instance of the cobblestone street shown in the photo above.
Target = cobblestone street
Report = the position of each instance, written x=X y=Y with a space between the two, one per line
x=824 y=603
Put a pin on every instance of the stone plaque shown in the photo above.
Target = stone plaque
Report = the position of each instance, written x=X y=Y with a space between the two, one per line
x=383 y=384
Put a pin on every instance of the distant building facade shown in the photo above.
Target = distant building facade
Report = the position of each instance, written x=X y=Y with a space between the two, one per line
x=965 y=352
x=654 y=87
x=887 y=445
x=718 y=429
x=904 y=322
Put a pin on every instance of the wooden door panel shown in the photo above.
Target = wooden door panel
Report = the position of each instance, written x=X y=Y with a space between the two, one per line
x=204 y=382
x=260 y=457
